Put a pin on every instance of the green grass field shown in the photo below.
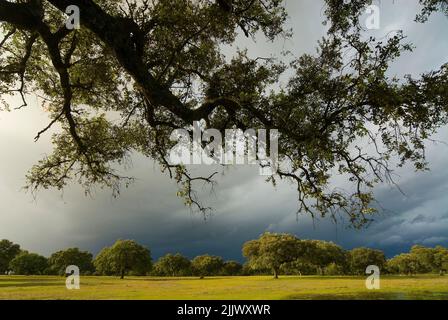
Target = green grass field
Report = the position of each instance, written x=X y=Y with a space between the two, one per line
x=263 y=288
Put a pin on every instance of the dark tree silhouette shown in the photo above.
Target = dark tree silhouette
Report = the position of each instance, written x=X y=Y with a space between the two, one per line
x=160 y=66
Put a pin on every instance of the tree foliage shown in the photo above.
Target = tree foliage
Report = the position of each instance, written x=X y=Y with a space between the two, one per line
x=431 y=6
x=59 y=261
x=271 y=251
x=207 y=265
x=334 y=269
x=323 y=253
x=441 y=259
x=404 y=263
x=360 y=258
x=159 y=66
x=8 y=250
x=29 y=264
x=103 y=263
x=173 y=265
x=420 y=259
x=123 y=257
x=232 y=268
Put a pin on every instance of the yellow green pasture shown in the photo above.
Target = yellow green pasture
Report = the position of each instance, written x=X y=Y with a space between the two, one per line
x=224 y=288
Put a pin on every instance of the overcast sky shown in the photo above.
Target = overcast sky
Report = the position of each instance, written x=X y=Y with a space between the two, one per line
x=245 y=206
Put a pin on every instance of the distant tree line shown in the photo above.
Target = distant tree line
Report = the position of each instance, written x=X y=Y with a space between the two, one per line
x=286 y=254
x=271 y=253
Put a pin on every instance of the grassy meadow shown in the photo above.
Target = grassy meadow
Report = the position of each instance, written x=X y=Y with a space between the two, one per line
x=221 y=288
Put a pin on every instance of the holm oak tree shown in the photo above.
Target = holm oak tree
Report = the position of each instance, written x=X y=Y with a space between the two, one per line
x=159 y=65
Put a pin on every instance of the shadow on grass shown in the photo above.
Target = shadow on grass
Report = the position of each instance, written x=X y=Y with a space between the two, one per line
x=31 y=284
x=29 y=279
x=176 y=278
x=421 y=295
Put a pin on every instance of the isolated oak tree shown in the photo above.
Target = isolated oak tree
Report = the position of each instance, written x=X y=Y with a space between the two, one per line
x=207 y=265
x=159 y=65
x=123 y=257
x=271 y=251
